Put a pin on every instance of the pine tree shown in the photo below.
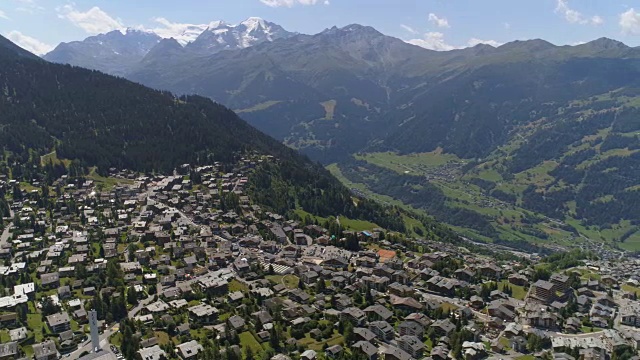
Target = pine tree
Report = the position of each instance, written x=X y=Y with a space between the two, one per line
x=348 y=333
x=368 y=297
x=320 y=286
x=274 y=338
x=132 y=296
x=98 y=306
x=248 y=354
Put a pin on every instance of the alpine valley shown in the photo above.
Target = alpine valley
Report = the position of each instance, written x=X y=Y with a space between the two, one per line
x=86 y=124
x=523 y=143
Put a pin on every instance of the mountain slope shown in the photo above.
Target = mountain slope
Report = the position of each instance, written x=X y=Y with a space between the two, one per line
x=473 y=113
x=317 y=92
x=114 y=52
x=356 y=60
x=299 y=79
x=105 y=121
x=570 y=175
x=108 y=121
x=10 y=50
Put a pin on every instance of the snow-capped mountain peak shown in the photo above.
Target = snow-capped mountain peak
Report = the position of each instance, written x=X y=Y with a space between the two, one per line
x=255 y=23
x=118 y=51
x=222 y=36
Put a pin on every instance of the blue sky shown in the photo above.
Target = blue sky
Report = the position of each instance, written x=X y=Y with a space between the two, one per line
x=39 y=25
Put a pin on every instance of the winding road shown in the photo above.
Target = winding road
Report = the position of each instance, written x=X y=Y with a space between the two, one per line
x=136 y=309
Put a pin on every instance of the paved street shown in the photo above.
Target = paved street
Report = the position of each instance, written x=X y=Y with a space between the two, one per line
x=6 y=234
x=136 y=309
x=548 y=333
x=4 y=238
x=456 y=302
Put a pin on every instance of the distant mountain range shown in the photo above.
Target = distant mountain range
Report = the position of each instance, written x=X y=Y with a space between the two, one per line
x=521 y=112
x=118 y=51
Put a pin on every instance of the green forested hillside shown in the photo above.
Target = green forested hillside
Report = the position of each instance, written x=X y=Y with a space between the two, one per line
x=574 y=175
x=111 y=122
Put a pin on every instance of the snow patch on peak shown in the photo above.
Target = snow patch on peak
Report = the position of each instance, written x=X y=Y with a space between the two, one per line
x=217 y=24
x=219 y=31
x=253 y=23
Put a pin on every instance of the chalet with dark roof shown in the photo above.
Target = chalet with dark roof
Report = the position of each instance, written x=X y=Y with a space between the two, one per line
x=366 y=348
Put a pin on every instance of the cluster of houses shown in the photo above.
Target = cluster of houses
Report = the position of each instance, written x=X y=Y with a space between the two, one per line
x=203 y=257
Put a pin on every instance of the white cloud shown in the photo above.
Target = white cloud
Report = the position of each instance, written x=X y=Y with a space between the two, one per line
x=574 y=16
x=408 y=28
x=570 y=15
x=597 y=20
x=507 y=26
x=475 y=41
x=630 y=22
x=3 y=15
x=432 y=41
x=438 y=21
x=291 y=3
x=436 y=41
x=182 y=32
x=28 y=43
x=28 y=6
x=93 y=21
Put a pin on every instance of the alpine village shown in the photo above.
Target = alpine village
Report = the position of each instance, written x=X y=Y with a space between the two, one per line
x=139 y=224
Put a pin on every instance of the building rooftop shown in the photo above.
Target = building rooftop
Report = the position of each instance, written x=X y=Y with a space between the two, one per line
x=58 y=319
